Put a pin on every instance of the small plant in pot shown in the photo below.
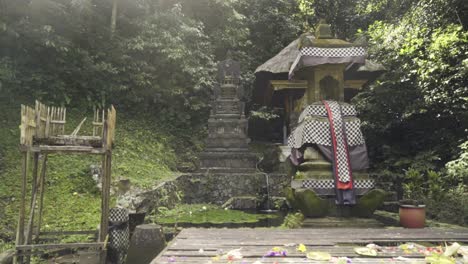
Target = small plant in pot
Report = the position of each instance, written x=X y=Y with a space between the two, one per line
x=412 y=208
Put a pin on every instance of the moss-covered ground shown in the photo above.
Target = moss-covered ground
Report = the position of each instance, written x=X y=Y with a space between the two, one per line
x=145 y=153
x=208 y=215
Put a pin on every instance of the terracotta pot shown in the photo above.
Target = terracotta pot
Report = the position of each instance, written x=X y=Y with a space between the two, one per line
x=412 y=216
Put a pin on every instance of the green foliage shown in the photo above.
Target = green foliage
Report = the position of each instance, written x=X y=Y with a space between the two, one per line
x=272 y=25
x=420 y=185
x=145 y=153
x=424 y=89
x=414 y=185
x=451 y=206
x=293 y=220
x=457 y=169
x=265 y=113
x=444 y=201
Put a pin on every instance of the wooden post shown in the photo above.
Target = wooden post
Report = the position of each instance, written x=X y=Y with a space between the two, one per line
x=106 y=174
x=102 y=230
x=22 y=211
x=106 y=180
x=41 y=197
x=34 y=174
x=32 y=210
x=32 y=204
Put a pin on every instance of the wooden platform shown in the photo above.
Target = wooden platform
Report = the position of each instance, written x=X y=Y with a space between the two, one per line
x=341 y=222
x=201 y=245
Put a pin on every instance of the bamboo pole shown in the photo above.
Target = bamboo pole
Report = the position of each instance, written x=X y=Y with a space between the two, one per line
x=22 y=211
x=47 y=126
x=35 y=184
x=41 y=197
x=104 y=200
x=32 y=205
x=34 y=174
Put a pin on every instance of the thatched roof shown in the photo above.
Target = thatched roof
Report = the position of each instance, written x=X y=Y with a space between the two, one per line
x=282 y=61
x=371 y=66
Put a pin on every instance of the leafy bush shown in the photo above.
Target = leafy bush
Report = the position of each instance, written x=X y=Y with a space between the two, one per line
x=457 y=170
x=293 y=220
x=444 y=201
x=418 y=107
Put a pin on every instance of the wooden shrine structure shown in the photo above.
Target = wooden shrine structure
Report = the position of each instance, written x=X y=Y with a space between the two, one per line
x=43 y=133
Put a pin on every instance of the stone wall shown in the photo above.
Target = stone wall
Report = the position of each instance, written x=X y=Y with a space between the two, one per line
x=166 y=194
x=217 y=188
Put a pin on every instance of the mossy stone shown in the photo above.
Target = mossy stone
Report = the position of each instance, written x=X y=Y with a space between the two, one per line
x=317 y=174
x=289 y=194
x=315 y=165
x=309 y=203
x=366 y=206
x=360 y=175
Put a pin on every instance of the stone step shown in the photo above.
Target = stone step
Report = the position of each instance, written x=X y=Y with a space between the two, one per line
x=315 y=165
x=227 y=170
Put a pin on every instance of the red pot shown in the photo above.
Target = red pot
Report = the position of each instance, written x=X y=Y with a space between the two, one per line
x=412 y=216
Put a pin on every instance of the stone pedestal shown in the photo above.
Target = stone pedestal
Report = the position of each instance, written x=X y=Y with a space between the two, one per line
x=147 y=242
x=313 y=192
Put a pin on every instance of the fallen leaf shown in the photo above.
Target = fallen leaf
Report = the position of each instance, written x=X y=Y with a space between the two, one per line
x=365 y=251
x=316 y=255
x=301 y=248
x=452 y=249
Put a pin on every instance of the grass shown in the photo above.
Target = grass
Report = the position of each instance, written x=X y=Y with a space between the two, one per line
x=144 y=153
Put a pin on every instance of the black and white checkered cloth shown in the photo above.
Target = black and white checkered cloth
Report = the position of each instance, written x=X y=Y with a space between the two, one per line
x=314 y=131
x=341 y=156
x=333 y=52
x=330 y=184
x=318 y=109
x=118 y=235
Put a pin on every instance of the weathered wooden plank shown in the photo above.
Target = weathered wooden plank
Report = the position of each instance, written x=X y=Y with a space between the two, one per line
x=78 y=232
x=328 y=234
x=68 y=149
x=255 y=243
x=65 y=140
x=292 y=252
x=272 y=260
x=59 y=246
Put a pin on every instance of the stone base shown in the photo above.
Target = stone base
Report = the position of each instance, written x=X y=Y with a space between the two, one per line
x=326 y=187
x=217 y=188
x=311 y=205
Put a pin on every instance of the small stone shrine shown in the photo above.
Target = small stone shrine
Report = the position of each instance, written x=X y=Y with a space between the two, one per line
x=227 y=143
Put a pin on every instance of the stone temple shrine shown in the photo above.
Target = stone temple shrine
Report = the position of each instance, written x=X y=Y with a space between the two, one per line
x=227 y=145
x=313 y=79
x=322 y=158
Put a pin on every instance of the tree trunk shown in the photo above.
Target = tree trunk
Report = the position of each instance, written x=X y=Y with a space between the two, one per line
x=113 y=18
